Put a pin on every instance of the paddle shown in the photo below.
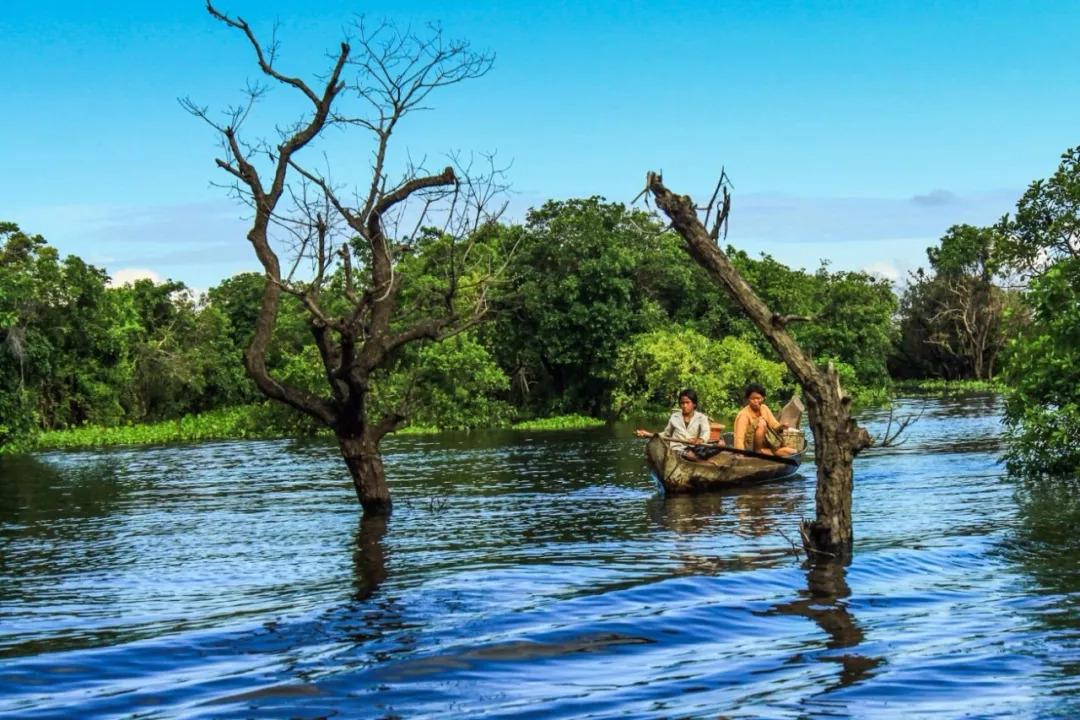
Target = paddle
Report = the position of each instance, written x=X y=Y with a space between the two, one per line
x=737 y=451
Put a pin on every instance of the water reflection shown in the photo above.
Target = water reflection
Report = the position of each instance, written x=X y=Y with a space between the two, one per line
x=369 y=556
x=825 y=602
x=44 y=499
x=687 y=513
x=1046 y=546
x=748 y=511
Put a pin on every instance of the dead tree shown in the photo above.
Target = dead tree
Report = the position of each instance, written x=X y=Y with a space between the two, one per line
x=968 y=322
x=346 y=239
x=837 y=437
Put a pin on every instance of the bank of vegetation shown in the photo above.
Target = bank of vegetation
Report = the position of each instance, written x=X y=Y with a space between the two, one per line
x=600 y=315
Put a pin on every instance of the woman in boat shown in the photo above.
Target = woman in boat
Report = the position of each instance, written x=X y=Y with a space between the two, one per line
x=686 y=427
x=756 y=428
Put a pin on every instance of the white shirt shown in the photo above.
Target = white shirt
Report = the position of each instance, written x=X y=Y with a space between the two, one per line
x=679 y=430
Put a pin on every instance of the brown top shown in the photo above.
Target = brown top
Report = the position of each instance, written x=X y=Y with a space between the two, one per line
x=746 y=423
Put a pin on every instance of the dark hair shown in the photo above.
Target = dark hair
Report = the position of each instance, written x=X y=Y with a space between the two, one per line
x=753 y=388
x=688 y=393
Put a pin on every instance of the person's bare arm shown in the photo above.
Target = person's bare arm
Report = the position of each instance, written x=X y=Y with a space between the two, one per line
x=771 y=419
x=666 y=432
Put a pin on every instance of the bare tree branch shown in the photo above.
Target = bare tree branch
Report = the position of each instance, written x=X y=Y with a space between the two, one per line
x=893 y=437
x=342 y=242
x=265 y=61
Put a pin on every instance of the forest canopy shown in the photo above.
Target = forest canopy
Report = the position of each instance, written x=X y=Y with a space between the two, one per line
x=600 y=313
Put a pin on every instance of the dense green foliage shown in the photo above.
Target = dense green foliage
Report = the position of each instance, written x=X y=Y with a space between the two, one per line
x=653 y=367
x=75 y=350
x=1043 y=370
x=241 y=421
x=560 y=422
x=63 y=339
x=595 y=284
x=602 y=314
x=579 y=288
x=851 y=314
x=454 y=385
x=1042 y=363
x=937 y=386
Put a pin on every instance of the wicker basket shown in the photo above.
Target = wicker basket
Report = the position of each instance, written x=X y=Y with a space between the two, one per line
x=794 y=438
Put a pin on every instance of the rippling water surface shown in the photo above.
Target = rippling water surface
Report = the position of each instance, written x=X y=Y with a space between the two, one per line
x=533 y=576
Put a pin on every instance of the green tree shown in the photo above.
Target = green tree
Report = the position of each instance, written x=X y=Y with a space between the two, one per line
x=184 y=356
x=591 y=274
x=1046 y=225
x=64 y=338
x=574 y=296
x=1042 y=364
x=1042 y=369
x=651 y=368
x=452 y=385
x=955 y=318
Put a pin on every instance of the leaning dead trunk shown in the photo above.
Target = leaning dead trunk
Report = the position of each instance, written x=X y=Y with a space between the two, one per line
x=837 y=437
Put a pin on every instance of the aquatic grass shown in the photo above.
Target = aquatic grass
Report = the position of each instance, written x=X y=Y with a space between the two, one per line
x=232 y=423
x=937 y=386
x=242 y=422
x=560 y=422
x=418 y=430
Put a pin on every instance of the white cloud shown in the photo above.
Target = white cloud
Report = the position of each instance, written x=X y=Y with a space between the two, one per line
x=204 y=242
x=126 y=276
x=883 y=269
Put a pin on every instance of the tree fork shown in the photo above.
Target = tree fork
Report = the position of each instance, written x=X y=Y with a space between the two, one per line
x=837 y=437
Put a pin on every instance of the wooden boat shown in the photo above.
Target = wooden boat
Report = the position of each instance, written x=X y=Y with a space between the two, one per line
x=677 y=475
x=730 y=467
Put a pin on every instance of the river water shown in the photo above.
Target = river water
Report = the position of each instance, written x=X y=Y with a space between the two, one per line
x=533 y=576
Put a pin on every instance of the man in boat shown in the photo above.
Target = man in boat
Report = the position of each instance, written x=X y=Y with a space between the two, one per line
x=686 y=428
x=756 y=428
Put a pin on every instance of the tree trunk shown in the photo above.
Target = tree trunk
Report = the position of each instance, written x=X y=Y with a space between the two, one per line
x=837 y=438
x=365 y=465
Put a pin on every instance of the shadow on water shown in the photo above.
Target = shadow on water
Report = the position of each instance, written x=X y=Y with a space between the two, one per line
x=366 y=621
x=825 y=602
x=759 y=512
x=46 y=499
x=67 y=518
x=730 y=529
x=1046 y=546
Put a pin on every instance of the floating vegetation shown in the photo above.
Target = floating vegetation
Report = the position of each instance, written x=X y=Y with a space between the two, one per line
x=231 y=423
x=948 y=387
x=560 y=422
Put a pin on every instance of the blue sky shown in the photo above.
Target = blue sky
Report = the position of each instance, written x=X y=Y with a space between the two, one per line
x=854 y=131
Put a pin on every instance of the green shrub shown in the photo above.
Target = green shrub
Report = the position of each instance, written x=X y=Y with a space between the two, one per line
x=653 y=367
